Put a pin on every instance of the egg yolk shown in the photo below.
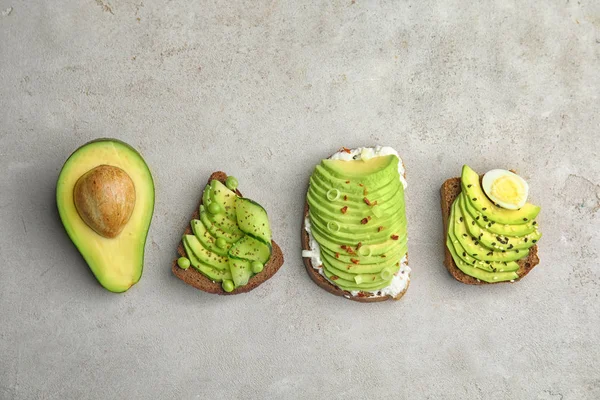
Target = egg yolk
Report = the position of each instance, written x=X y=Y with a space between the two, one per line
x=508 y=190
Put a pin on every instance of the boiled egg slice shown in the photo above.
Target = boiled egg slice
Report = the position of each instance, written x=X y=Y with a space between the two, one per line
x=506 y=189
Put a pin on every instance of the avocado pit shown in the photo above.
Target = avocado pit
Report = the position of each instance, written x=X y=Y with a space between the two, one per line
x=105 y=198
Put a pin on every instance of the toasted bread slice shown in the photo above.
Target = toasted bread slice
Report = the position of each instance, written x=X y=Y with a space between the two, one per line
x=363 y=297
x=449 y=192
x=191 y=276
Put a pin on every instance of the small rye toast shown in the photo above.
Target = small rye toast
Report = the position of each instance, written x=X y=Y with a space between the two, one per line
x=193 y=277
x=449 y=192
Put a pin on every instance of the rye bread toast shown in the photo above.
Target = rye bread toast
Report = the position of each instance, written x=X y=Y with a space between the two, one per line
x=449 y=192
x=363 y=297
x=192 y=277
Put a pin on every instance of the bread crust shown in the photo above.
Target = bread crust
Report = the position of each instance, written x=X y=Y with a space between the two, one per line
x=192 y=277
x=449 y=192
x=362 y=297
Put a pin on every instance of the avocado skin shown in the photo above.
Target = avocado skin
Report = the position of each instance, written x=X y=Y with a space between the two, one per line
x=80 y=234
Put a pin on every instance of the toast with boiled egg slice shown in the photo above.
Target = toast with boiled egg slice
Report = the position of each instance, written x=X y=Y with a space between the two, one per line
x=490 y=231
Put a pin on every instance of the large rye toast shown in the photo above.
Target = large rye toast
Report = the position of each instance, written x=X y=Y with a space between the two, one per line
x=449 y=192
x=363 y=297
x=191 y=276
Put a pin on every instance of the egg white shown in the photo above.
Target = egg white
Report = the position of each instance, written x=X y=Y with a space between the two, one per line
x=493 y=178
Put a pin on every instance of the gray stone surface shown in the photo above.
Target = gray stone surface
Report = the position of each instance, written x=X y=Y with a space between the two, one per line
x=263 y=90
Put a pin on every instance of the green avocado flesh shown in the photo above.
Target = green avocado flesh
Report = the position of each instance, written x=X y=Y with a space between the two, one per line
x=117 y=263
x=479 y=201
x=486 y=241
x=357 y=216
x=231 y=234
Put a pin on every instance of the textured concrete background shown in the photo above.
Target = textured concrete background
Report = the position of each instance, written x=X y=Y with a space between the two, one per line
x=264 y=91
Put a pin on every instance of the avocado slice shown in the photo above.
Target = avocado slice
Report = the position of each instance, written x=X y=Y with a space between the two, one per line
x=491 y=240
x=479 y=251
x=205 y=256
x=355 y=192
x=117 y=263
x=480 y=274
x=224 y=223
x=211 y=273
x=352 y=213
x=361 y=268
x=506 y=273
x=393 y=251
x=475 y=195
x=357 y=185
x=379 y=245
x=358 y=279
x=373 y=228
x=366 y=264
x=368 y=172
x=207 y=240
x=491 y=266
x=352 y=285
x=372 y=235
x=206 y=197
x=215 y=230
x=500 y=229
x=221 y=195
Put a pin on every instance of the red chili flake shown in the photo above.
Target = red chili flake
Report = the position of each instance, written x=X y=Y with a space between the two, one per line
x=347 y=181
x=364 y=221
x=337 y=255
x=380 y=229
x=345 y=198
x=361 y=185
x=343 y=246
x=361 y=294
x=369 y=217
x=354 y=261
x=383 y=256
x=344 y=209
x=345 y=149
x=334 y=278
x=365 y=192
x=367 y=202
x=395 y=237
x=359 y=245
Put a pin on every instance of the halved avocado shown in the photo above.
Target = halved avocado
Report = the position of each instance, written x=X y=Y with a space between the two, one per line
x=116 y=262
